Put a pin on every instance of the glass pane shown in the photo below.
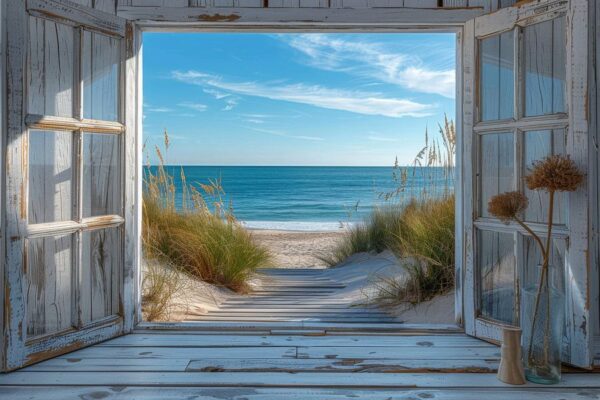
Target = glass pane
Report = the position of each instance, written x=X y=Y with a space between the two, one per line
x=536 y=146
x=497 y=167
x=100 y=273
x=100 y=65
x=497 y=77
x=497 y=276
x=49 y=281
x=545 y=71
x=50 y=176
x=101 y=175
x=51 y=59
x=533 y=257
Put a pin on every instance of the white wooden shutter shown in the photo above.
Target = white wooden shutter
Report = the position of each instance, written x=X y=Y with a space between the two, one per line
x=524 y=95
x=71 y=150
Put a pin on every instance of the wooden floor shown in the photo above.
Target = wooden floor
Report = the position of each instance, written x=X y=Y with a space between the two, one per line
x=168 y=364
x=296 y=295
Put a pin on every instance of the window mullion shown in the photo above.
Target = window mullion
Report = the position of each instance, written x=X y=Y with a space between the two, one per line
x=76 y=309
x=78 y=214
x=78 y=72
x=518 y=67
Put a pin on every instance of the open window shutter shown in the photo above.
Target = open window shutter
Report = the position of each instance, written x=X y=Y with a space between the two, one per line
x=71 y=179
x=524 y=97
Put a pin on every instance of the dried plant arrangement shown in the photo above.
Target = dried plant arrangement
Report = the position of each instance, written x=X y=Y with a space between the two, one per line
x=555 y=173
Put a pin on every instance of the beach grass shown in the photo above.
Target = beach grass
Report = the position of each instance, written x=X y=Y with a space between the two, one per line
x=205 y=242
x=160 y=283
x=417 y=225
x=425 y=240
x=373 y=235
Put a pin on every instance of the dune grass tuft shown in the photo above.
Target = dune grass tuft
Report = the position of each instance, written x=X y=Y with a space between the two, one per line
x=372 y=235
x=205 y=242
x=417 y=225
x=426 y=238
x=160 y=283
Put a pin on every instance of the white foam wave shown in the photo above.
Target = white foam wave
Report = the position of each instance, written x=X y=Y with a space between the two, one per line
x=304 y=226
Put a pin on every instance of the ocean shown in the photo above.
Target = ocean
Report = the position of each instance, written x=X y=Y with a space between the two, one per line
x=297 y=198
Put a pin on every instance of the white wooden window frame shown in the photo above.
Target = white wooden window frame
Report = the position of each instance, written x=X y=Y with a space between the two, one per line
x=18 y=350
x=579 y=288
x=457 y=29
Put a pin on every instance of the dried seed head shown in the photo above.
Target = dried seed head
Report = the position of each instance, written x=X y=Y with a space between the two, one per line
x=557 y=173
x=507 y=206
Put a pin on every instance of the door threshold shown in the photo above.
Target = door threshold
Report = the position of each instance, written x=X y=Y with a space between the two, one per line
x=300 y=327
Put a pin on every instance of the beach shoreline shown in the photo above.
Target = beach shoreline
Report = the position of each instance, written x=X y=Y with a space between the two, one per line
x=298 y=249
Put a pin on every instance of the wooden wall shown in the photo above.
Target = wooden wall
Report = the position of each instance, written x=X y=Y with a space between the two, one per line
x=594 y=114
x=487 y=4
x=2 y=130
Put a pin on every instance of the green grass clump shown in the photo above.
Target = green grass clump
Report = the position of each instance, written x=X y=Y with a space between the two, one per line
x=426 y=237
x=208 y=244
x=418 y=227
x=373 y=235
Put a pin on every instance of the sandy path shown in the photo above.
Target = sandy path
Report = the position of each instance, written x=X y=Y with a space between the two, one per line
x=298 y=249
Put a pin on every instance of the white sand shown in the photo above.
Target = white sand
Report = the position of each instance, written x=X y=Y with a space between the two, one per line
x=293 y=249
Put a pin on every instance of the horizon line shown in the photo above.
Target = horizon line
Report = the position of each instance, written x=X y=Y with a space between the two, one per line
x=285 y=165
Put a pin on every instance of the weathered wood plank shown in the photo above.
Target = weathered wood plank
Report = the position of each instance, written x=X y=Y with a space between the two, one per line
x=273 y=379
x=80 y=15
x=237 y=393
x=195 y=340
x=67 y=364
x=441 y=353
x=352 y=328
x=15 y=211
x=323 y=319
x=328 y=365
x=131 y=114
x=185 y=353
x=578 y=285
x=194 y=16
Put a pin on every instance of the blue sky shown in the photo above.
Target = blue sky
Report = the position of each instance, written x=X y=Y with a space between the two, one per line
x=296 y=99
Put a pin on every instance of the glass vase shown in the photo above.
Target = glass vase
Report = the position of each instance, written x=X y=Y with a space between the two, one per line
x=543 y=324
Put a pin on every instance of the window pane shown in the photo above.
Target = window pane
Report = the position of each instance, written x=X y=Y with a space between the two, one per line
x=49 y=280
x=100 y=273
x=101 y=175
x=50 y=176
x=545 y=71
x=100 y=64
x=51 y=59
x=536 y=146
x=497 y=77
x=497 y=276
x=497 y=167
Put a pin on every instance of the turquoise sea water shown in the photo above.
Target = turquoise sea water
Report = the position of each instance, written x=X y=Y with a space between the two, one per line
x=297 y=198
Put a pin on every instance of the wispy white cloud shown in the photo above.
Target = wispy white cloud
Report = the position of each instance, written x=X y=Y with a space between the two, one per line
x=361 y=102
x=230 y=103
x=215 y=93
x=254 y=120
x=193 y=106
x=373 y=60
x=284 y=134
x=378 y=138
x=156 y=109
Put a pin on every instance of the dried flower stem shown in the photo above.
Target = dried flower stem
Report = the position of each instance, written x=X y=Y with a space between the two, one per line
x=543 y=281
